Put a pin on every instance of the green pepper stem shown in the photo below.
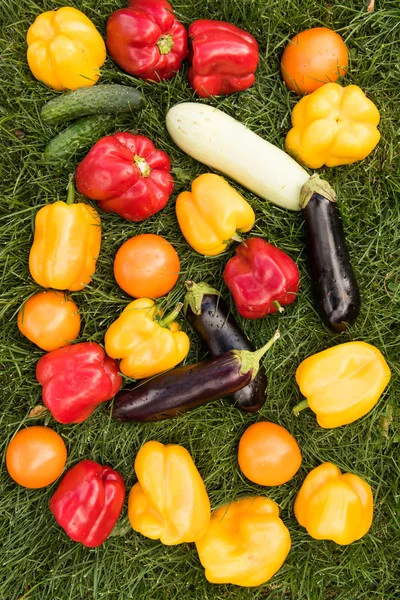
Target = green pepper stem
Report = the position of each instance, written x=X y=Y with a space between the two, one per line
x=236 y=237
x=250 y=361
x=165 y=44
x=299 y=407
x=71 y=191
x=278 y=307
x=166 y=321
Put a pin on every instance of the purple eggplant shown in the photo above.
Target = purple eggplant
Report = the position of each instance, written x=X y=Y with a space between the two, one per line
x=181 y=389
x=335 y=286
x=209 y=315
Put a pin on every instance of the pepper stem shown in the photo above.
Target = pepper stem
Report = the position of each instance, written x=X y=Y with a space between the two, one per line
x=165 y=44
x=166 y=321
x=236 y=237
x=316 y=185
x=194 y=295
x=142 y=165
x=299 y=407
x=71 y=190
x=278 y=307
x=250 y=361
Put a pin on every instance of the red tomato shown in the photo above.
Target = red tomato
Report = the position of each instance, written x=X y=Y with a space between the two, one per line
x=268 y=454
x=36 y=457
x=146 y=266
x=50 y=320
x=312 y=58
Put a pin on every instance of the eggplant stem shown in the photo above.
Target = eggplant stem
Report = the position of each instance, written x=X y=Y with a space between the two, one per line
x=299 y=407
x=260 y=353
x=166 y=321
x=278 y=307
x=71 y=190
x=194 y=295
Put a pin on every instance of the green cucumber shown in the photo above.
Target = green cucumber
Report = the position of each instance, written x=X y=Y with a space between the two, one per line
x=100 y=99
x=79 y=136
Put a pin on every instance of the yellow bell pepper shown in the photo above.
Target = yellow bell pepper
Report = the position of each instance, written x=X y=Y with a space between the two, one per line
x=333 y=126
x=170 y=501
x=343 y=383
x=65 y=50
x=332 y=506
x=147 y=347
x=245 y=544
x=66 y=245
x=211 y=214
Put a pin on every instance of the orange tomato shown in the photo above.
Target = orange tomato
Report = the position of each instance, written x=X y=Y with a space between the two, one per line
x=268 y=454
x=146 y=266
x=36 y=457
x=49 y=320
x=312 y=58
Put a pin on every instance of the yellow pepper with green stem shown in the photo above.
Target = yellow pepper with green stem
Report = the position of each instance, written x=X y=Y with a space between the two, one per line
x=332 y=506
x=245 y=544
x=343 y=383
x=170 y=501
x=333 y=126
x=65 y=50
x=147 y=346
x=66 y=244
x=212 y=213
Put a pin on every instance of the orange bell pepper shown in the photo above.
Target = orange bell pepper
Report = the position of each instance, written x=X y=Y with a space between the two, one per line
x=170 y=501
x=342 y=383
x=66 y=245
x=65 y=50
x=245 y=544
x=212 y=213
x=332 y=506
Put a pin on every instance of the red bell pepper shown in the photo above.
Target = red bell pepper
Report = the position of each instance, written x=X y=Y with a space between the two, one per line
x=146 y=40
x=76 y=379
x=224 y=58
x=127 y=175
x=261 y=278
x=88 y=502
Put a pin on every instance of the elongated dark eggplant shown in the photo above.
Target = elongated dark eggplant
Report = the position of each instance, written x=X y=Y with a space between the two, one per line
x=334 y=283
x=209 y=315
x=184 y=388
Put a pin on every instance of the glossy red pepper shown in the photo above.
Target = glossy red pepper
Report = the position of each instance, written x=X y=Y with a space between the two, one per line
x=261 y=278
x=88 y=502
x=224 y=58
x=126 y=174
x=146 y=40
x=76 y=379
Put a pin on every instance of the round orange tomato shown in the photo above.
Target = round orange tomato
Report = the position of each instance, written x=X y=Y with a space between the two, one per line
x=268 y=454
x=146 y=266
x=36 y=457
x=312 y=58
x=49 y=320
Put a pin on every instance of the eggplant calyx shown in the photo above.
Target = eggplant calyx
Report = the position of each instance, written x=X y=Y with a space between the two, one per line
x=299 y=407
x=316 y=185
x=250 y=361
x=194 y=296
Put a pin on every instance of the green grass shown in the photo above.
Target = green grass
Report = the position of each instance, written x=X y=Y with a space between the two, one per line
x=37 y=560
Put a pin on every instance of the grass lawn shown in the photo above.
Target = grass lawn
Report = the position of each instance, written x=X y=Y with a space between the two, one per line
x=37 y=560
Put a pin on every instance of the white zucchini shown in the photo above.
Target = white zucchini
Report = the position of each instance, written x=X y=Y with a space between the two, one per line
x=214 y=138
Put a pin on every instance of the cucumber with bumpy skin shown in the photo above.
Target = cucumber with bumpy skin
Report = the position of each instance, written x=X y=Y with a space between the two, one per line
x=101 y=99
x=79 y=136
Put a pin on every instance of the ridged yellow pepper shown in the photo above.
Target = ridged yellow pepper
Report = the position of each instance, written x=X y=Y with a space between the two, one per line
x=170 y=501
x=343 y=383
x=245 y=544
x=211 y=214
x=66 y=245
x=65 y=50
x=147 y=347
x=332 y=506
x=333 y=126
